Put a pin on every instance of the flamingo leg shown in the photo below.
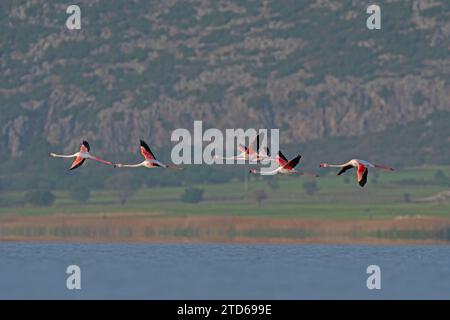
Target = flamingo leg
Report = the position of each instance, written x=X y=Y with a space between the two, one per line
x=101 y=160
x=383 y=167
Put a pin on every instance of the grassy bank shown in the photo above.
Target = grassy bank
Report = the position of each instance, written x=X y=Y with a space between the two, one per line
x=384 y=197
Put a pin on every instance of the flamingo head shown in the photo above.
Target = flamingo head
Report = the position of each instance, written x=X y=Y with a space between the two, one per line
x=118 y=165
x=323 y=165
x=52 y=154
x=252 y=171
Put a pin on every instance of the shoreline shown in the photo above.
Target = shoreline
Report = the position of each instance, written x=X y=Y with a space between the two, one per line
x=139 y=228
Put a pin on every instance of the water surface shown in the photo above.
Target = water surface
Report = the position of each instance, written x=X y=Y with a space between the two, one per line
x=229 y=271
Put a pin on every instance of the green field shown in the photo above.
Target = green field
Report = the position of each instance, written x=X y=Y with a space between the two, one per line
x=383 y=197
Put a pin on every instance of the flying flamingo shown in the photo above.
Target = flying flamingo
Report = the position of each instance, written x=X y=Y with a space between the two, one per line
x=81 y=156
x=362 y=168
x=285 y=166
x=250 y=153
x=149 y=162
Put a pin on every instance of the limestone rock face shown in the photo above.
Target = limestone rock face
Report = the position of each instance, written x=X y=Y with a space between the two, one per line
x=142 y=69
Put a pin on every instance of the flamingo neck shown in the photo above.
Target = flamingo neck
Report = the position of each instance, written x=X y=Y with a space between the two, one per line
x=64 y=155
x=132 y=165
x=336 y=165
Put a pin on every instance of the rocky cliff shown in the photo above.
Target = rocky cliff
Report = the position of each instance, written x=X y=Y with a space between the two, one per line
x=143 y=68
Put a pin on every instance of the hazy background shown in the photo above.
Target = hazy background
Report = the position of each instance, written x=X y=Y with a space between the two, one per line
x=140 y=69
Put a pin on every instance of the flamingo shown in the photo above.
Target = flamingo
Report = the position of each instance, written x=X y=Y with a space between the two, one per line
x=249 y=153
x=81 y=156
x=362 y=168
x=149 y=162
x=285 y=166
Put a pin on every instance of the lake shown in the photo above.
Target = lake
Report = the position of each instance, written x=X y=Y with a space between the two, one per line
x=223 y=271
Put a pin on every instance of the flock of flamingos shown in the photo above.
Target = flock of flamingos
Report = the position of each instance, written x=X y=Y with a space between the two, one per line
x=251 y=153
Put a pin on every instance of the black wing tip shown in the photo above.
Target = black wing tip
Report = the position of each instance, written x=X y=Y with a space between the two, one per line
x=144 y=145
x=147 y=148
x=363 y=181
x=86 y=144
x=257 y=142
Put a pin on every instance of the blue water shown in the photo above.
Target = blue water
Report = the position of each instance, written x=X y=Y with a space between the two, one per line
x=210 y=271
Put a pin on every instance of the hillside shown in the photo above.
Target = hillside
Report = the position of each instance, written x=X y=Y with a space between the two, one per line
x=144 y=68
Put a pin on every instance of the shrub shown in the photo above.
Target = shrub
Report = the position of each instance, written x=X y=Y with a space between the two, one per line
x=126 y=185
x=440 y=176
x=310 y=187
x=407 y=198
x=79 y=194
x=192 y=195
x=260 y=195
x=40 y=198
x=272 y=183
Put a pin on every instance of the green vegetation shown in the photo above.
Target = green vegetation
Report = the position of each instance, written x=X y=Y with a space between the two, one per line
x=141 y=56
x=259 y=195
x=125 y=184
x=192 y=195
x=310 y=187
x=39 y=198
x=336 y=199
x=80 y=194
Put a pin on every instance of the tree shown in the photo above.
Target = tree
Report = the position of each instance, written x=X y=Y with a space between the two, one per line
x=440 y=175
x=441 y=178
x=407 y=198
x=40 y=198
x=310 y=187
x=125 y=184
x=1 y=188
x=272 y=183
x=260 y=195
x=192 y=195
x=79 y=194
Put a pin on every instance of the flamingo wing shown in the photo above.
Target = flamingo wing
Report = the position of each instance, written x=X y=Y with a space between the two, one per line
x=281 y=159
x=292 y=163
x=78 y=162
x=362 y=175
x=243 y=149
x=146 y=152
x=250 y=149
x=344 y=169
x=85 y=147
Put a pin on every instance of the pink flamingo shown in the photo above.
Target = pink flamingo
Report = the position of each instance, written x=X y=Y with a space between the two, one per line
x=362 y=168
x=285 y=166
x=81 y=156
x=149 y=162
x=250 y=153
